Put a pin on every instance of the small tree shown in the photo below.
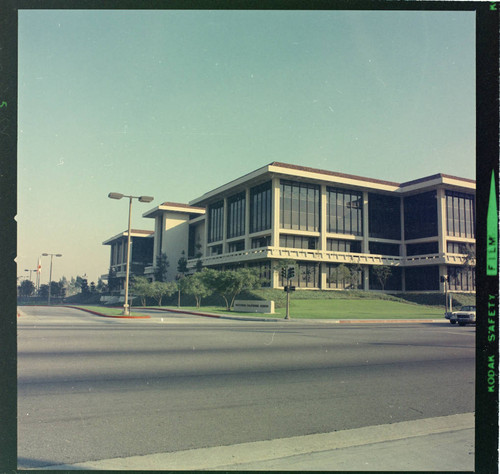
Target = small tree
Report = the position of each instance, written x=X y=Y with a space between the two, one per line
x=343 y=275
x=182 y=270
x=382 y=274
x=159 y=289
x=55 y=289
x=182 y=264
x=231 y=283
x=113 y=280
x=63 y=283
x=44 y=291
x=100 y=285
x=196 y=286
x=161 y=267
x=72 y=288
x=354 y=278
x=141 y=287
x=26 y=288
x=84 y=285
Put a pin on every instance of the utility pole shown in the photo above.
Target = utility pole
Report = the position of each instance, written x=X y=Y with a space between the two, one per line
x=288 y=274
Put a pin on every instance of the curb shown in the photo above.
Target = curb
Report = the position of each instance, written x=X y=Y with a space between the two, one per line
x=327 y=321
x=208 y=315
x=105 y=315
x=213 y=315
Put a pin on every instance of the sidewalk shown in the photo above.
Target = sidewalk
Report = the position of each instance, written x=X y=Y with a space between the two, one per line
x=443 y=443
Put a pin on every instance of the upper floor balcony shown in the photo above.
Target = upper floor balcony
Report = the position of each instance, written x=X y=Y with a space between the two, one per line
x=324 y=256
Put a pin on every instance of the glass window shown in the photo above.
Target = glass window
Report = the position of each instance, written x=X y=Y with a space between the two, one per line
x=460 y=247
x=460 y=215
x=236 y=215
x=299 y=206
x=216 y=250
x=298 y=242
x=422 y=249
x=260 y=207
x=461 y=278
x=384 y=216
x=259 y=242
x=264 y=270
x=236 y=246
x=306 y=275
x=215 y=221
x=422 y=278
x=383 y=248
x=420 y=213
x=351 y=246
x=343 y=277
x=344 y=210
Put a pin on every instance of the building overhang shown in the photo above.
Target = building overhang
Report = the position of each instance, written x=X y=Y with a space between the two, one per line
x=334 y=179
x=133 y=233
x=175 y=207
x=437 y=181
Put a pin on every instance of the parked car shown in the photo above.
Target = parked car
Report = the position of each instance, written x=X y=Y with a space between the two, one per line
x=451 y=316
x=466 y=315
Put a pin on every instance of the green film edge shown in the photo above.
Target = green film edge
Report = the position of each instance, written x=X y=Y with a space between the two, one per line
x=492 y=232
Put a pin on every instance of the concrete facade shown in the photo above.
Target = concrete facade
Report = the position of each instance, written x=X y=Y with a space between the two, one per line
x=332 y=225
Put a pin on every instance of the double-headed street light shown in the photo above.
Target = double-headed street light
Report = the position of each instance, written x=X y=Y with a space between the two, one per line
x=126 y=308
x=27 y=270
x=50 y=274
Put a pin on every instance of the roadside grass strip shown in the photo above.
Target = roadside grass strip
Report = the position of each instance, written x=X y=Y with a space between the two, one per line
x=108 y=312
x=359 y=309
x=328 y=309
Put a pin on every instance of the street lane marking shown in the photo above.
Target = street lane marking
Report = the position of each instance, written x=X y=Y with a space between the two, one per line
x=210 y=458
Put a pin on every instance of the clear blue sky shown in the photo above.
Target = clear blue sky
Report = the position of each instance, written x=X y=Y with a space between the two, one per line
x=174 y=103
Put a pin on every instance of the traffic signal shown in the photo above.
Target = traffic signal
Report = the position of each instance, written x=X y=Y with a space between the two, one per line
x=291 y=273
x=283 y=272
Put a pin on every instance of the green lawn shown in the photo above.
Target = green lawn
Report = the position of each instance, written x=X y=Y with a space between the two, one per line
x=340 y=309
x=359 y=309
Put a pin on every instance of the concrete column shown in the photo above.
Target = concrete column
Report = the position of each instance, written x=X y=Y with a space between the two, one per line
x=248 y=243
x=275 y=228
x=275 y=215
x=205 y=231
x=323 y=218
x=224 y=227
x=366 y=278
x=443 y=271
x=402 y=247
x=365 y=248
x=441 y=215
x=323 y=230
x=322 y=276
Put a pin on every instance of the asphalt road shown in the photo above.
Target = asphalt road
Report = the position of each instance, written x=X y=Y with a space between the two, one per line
x=95 y=388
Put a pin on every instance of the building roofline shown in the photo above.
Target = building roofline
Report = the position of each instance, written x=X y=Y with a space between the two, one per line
x=133 y=233
x=246 y=177
x=174 y=207
x=343 y=179
x=436 y=176
x=332 y=173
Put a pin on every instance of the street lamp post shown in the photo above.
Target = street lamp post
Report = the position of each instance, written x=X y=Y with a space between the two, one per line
x=126 y=308
x=50 y=273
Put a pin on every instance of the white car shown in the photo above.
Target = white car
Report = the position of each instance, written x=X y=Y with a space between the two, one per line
x=466 y=315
